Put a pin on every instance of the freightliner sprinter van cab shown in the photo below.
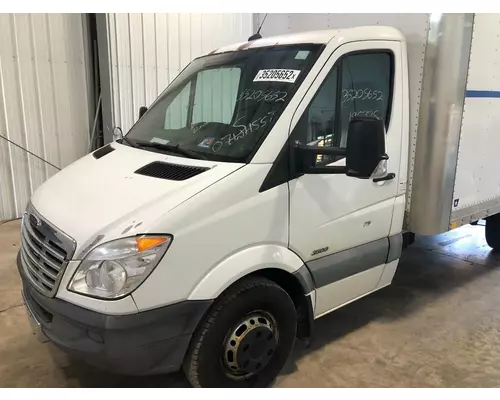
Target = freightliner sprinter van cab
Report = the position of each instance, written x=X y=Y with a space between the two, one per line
x=263 y=189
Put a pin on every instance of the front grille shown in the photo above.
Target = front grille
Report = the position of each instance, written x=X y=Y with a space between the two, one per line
x=45 y=252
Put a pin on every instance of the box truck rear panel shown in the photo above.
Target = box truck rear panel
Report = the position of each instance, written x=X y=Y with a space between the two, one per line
x=477 y=182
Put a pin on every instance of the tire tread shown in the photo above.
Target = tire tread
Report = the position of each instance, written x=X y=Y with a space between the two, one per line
x=492 y=232
x=191 y=365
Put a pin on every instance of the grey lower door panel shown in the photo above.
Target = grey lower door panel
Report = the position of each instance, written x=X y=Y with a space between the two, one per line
x=341 y=265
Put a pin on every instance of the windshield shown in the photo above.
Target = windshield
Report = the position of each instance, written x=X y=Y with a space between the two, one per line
x=222 y=106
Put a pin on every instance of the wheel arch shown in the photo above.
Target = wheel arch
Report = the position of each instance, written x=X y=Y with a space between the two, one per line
x=274 y=262
x=299 y=291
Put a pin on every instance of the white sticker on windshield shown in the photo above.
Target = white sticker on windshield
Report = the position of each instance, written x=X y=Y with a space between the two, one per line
x=159 y=140
x=277 y=75
x=302 y=54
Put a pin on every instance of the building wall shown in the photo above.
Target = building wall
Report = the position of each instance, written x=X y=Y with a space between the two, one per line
x=44 y=103
x=147 y=51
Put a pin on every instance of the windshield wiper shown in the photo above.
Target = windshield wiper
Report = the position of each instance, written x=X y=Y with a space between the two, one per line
x=171 y=148
x=124 y=139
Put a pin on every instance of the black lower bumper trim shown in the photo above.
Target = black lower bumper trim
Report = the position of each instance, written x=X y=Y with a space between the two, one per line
x=149 y=342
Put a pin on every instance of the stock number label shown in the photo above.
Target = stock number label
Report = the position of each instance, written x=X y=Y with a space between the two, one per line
x=277 y=75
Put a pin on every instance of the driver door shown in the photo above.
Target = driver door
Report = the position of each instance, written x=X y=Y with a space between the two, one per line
x=340 y=225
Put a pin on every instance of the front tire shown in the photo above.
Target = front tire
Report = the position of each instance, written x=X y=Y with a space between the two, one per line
x=492 y=232
x=245 y=339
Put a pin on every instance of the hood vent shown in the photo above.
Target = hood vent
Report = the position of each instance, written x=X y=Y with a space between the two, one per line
x=103 y=151
x=174 y=172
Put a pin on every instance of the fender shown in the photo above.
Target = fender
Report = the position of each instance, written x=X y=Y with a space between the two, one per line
x=245 y=262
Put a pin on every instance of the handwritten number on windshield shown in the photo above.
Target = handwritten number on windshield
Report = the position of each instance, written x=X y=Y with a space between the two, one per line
x=364 y=113
x=269 y=96
x=361 y=94
x=244 y=130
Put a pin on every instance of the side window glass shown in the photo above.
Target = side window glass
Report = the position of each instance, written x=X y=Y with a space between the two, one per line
x=366 y=88
x=358 y=85
x=317 y=125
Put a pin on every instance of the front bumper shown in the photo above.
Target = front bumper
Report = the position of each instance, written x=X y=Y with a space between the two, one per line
x=149 y=342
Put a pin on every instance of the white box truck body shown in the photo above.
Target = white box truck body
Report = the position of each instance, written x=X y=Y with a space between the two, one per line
x=271 y=183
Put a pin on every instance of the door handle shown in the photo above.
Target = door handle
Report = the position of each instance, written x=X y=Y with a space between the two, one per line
x=388 y=177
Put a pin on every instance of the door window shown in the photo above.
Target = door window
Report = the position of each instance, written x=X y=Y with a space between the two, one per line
x=359 y=84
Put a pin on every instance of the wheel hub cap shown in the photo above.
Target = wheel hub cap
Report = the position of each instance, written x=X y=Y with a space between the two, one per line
x=251 y=345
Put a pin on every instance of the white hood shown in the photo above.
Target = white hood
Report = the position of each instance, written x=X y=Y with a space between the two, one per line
x=97 y=200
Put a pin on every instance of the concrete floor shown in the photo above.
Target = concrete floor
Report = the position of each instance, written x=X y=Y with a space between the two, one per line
x=438 y=325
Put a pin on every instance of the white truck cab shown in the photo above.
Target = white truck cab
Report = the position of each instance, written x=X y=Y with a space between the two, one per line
x=265 y=187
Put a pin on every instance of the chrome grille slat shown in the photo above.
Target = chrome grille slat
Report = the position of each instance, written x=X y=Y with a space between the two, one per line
x=31 y=248
x=42 y=248
x=39 y=265
x=34 y=272
x=33 y=235
x=33 y=278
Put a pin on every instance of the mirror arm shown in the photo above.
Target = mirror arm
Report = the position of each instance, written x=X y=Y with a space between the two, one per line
x=304 y=152
x=326 y=170
x=330 y=151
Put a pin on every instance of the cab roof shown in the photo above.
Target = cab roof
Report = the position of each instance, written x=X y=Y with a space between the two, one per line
x=319 y=37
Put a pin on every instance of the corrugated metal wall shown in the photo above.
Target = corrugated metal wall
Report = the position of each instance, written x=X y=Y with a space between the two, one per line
x=147 y=51
x=44 y=102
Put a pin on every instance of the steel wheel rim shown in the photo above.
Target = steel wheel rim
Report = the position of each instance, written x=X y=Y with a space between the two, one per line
x=250 y=345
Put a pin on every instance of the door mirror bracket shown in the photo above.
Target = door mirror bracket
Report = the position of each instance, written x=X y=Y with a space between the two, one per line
x=365 y=152
x=304 y=156
x=142 y=111
x=117 y=133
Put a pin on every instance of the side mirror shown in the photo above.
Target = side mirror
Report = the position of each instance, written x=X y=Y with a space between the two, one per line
x=365 y=146
x=142 y=111
x=364 y=152
x=117 y=134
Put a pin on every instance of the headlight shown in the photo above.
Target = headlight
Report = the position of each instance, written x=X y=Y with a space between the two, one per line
x=116 y=268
